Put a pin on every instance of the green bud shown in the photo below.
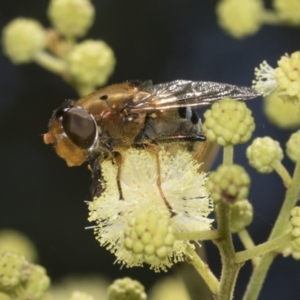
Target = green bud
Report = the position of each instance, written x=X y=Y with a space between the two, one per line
x=71 y=18
x=37 y=283
x=91 y=63
x=263 y=153
x=229 y=183
x=14 y=241
x=125 y=289
x=293 y=146
x=22 y=39
x=241 y=215
x=149 y=237
x=228 y=122
x=14 y=269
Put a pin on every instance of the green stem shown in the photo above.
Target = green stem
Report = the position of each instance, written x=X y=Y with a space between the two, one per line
x=270 y=17
x=198 y=235
x=259 y=274
x=51 y=63
x=262 y=248
x=282 y=172
x=203 y=270
x=228 y=155
x=230 y=268
x=248 y=244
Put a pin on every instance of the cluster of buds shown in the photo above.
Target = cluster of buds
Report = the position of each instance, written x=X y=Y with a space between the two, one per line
x=86 y=65
x=293 y=248
x=126 y=288
x=21 y=279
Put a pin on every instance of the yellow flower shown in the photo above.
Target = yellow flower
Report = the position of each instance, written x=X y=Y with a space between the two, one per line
x=240 y=18
x=281 y=113
x=122 y=223
x=91 y=62
x=288 y=11
x=285 y=78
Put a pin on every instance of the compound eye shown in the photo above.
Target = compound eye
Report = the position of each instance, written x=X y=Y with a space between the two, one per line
x=79 y=126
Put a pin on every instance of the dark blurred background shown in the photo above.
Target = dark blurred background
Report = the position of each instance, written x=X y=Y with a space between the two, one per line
x=158 y=40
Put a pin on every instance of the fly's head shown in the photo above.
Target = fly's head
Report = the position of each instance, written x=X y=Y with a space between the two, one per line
x=74 y=133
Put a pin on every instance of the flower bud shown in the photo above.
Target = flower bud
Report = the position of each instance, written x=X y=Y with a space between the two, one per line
x=71 y=18
x=91 y=63
x=240 y=18
x=149 y=237
x=280 y=112
x=126 y=288
x=22 y=39
x=288 y=11
x=293 y=146
x=228 y=122
x=263 y=153
x=241 y=215
x=229 y=184
x=287 y=75
x=14 y=269
x=37 y=283
x=14 y=241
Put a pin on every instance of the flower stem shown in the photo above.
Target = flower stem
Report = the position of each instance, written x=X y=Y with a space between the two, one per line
x=259 y=274
x=51 y=63
x=248 y=244
x=270 y=17
x=228 y=155
x=282 y=172
x=198 y=235
x=203 y=270
x=263 y=248
x=230 y=268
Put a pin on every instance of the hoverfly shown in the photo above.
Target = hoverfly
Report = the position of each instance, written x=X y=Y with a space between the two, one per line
x=105 y=123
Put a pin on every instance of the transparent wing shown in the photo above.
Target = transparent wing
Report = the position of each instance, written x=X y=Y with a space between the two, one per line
x=183 y=93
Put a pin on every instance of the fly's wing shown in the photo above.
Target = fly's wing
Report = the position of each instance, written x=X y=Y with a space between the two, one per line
x=183 y=93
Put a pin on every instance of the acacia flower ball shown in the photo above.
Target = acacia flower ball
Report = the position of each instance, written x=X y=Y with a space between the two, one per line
x=240 y=18
x=14 y=241
x=121 y=222
x=22 y=39
x=288 y=11
x=285 y=78
x=280 y=112
x=228 y=122
x=37 y=283
x=14 y=269
x=71 y=18
x=91 y=62
x=263 y=153
x=241 y=215
x=126 y=288
x=293 y=146
x=229 y=183
x=293 y=248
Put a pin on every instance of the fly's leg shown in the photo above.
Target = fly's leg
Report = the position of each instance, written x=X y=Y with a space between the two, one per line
x=95 y=168
x=200 y=151
x=155 y=150
x=119 y=161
